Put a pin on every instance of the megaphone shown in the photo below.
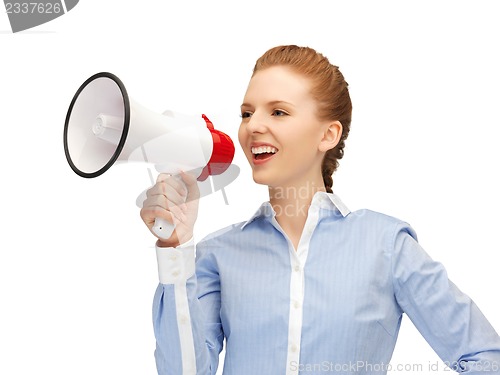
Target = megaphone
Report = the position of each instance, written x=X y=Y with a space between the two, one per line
x=104 y=126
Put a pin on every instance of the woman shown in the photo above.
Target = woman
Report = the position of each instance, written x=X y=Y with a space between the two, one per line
x=305 y=285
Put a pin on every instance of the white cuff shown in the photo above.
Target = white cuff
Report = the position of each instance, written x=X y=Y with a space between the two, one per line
x=175 y=264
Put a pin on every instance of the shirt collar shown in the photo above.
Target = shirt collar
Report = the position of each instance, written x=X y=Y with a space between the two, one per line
x=320 y=199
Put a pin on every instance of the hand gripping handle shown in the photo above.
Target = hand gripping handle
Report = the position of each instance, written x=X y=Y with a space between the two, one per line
x=163 y=228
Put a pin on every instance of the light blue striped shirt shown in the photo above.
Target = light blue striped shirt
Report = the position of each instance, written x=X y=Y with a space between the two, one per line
x=333 y=305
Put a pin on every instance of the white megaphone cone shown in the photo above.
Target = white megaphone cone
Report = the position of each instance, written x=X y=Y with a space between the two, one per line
x=103 y=126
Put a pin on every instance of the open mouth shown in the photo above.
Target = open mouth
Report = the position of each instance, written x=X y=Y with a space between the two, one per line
x=263 y=152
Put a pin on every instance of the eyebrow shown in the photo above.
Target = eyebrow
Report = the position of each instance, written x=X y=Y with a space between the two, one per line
x=271 y=103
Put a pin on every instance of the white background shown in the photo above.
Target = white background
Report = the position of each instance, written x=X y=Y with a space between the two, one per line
x=77 y=266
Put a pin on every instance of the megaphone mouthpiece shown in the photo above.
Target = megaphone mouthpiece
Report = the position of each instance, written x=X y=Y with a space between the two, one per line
x=222 y=152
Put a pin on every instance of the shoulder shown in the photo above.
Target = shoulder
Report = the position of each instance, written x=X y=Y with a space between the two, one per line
x=384 y=224
x=360 y=217
x=221 y=236
x=370 y=216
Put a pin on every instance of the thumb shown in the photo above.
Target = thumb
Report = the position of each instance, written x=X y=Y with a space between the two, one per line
x=193 y=191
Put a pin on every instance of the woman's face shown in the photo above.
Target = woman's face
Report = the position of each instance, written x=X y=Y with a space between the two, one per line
x=280 y=133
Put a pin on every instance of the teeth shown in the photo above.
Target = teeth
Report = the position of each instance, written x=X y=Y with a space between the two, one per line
x=264 y=149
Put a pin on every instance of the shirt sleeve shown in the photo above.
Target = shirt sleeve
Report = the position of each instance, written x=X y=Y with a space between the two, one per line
x=186 y=314
x=447 y=318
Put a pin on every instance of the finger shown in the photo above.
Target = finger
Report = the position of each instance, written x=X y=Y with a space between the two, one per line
x=150 y=213
x=162 y=177
x=168 y=189
x=163 y=208
x=178 y=214
x=174 y=181
x=160 y=202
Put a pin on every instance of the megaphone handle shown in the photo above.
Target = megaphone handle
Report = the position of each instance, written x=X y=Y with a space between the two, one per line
x=163 y=228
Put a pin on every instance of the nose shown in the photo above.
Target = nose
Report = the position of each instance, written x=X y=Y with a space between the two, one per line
x=256 y=124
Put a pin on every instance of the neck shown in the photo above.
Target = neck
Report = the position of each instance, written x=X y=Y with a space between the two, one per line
x=291 y=196
x=291 y=204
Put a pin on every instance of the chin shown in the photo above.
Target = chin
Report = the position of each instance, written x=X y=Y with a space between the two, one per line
x=259 y=180
x=263 y=178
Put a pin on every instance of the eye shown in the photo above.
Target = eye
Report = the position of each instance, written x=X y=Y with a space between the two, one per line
x=246 y=114
x=279 y=113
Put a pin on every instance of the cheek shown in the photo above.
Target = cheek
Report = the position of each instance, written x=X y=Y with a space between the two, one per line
x=302 y=147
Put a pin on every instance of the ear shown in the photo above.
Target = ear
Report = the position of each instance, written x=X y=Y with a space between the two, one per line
x=331 y=136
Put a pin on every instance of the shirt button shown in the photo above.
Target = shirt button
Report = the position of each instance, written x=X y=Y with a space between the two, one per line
x=175 y=273
x=296 y=304
x=183 y=319
x=297 y=268
x=293 y=348
x=173 y=257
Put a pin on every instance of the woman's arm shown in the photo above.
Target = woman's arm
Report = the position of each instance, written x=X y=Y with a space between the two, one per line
x=186 y=316
x=185 y=309
x=447 y=318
